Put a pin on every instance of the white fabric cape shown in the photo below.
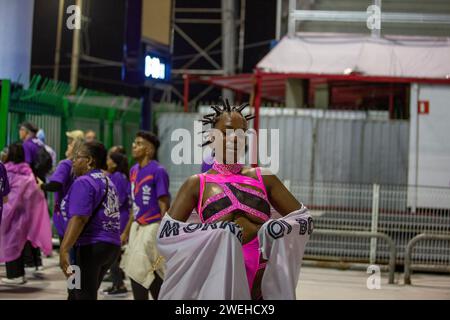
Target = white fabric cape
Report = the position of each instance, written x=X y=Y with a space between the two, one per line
x=205 y=261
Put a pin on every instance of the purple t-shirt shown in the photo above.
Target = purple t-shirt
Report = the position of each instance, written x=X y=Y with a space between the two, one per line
x=31 y=147
x=84 y=197
x=4 y=187
x=123 y=192
x=147 y=185
x=63 y=174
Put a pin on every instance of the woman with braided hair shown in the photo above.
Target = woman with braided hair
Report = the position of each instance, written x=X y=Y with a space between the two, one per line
x=230 y=199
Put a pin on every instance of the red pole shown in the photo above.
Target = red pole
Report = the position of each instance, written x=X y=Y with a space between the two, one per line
x=186 y=92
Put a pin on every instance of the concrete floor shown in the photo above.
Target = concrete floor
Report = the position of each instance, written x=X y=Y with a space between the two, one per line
x=332 y=284
x=314 y=284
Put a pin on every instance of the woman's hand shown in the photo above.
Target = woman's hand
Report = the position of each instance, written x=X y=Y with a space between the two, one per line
x=124 y=238
x=64 y=263
x=73 y=231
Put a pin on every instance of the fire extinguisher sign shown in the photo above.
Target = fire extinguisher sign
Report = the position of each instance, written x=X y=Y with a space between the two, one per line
x=423 y=107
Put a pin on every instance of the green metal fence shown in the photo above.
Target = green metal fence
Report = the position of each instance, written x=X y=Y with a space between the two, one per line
x=50 y=106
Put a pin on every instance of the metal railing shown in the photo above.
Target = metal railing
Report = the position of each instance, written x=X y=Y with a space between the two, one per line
x=409 y=250
x=340 y=206
x=366 y=234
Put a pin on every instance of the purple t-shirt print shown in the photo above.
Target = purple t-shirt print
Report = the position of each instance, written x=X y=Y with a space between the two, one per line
x=4 y=187
x=123 y=192
x=147 y=185
x=84 y=198
x=63 y=175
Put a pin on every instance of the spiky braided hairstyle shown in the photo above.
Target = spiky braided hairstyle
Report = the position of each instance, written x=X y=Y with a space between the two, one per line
x=212 y=118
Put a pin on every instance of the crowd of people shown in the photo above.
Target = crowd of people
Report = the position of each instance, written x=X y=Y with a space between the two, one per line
x=112 y=218
x=102 y=211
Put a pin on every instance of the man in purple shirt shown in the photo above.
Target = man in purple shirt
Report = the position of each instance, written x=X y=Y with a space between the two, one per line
x=150 y=200
x=31 y=145
x=4 y=188
x=36 y=154
x=92 y=208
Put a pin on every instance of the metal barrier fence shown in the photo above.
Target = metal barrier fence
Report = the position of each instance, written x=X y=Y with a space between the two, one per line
x=409 y=253
x=363 y=234
x=350 y=207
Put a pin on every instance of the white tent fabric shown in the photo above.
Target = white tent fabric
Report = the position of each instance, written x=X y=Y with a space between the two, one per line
x=338 y=54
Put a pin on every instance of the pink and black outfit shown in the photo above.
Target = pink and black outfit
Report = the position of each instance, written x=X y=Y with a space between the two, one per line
x=236 y=197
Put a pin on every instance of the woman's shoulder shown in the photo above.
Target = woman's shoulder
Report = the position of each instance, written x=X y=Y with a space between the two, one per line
x=194 y=179
x=266 y=174
x=192 y=183
x=119 y=177
x=88 y=180
x=88 y=183
x=255 y=171
x=65 y=162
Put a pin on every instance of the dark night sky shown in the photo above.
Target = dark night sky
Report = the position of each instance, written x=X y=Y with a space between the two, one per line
x=105 y=37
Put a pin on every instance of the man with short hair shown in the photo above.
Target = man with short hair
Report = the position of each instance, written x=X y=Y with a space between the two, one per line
x=31 y=145
x=151 y=199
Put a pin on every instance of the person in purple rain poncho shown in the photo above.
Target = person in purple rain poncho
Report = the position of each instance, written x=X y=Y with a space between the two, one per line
x=25 y=221
x=31 y=147
x=117 y=164
x=92 y=207
x=150 y=196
